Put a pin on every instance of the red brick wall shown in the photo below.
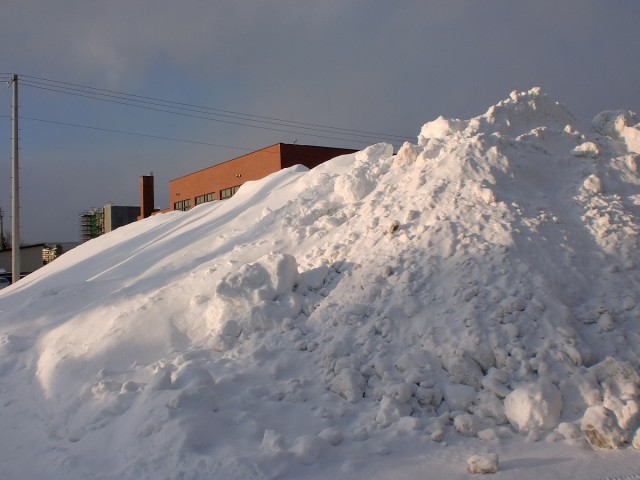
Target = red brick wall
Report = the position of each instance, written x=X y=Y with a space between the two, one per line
x=308 y=155
x=252 y=166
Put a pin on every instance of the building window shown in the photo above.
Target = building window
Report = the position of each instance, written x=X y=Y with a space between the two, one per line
x=228 y=192
x=183 y=205
x=209 y=197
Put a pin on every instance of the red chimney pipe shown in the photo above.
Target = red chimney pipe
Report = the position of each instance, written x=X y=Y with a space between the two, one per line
x=146 y=196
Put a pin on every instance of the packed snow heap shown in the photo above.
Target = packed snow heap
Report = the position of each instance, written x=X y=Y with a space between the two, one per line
x=480 y=285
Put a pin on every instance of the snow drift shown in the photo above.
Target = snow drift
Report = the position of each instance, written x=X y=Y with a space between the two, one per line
x=478 y=287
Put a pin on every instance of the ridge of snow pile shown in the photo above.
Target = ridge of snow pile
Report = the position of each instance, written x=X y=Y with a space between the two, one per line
x=479 y=284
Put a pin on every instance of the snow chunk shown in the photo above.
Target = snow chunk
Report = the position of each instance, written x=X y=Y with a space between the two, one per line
x=437 y=435
x=483 y=463
x=391 y=410
x=314 y=279
x=593 y=184
x=440 y=128
x=629 y=415
x=587 y=149
x=308 y=448
x=332 y=435
x=464 y=370
x=568 y=431
x=374 y=153
x=428 y=396
x=485 y=194
x=534 y=407
x=494 y=382
x=246 y=296
x=636 y=440
x=488 y=435
x=623 y=124
x=272 y=441
x=349 y=384
x=523 y=112
x=265 y=279
x=353 y=187
x=459 y=397
x=399 y=391
x=358 y=183
x=620 y=379
x=466 y=425
x=601 y=429
x=407 y=155
x=190 y=375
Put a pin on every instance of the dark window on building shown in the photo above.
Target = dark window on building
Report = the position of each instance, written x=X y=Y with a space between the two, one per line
x=209 y=197
x=228 y=192
x=182 y=205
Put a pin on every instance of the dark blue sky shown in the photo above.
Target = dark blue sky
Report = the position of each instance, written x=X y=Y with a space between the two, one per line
x=385 y=67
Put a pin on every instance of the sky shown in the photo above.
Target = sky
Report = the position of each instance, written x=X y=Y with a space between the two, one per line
x=383 y=67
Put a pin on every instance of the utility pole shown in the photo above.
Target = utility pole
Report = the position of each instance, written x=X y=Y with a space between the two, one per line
x=2 y=240
x=15 y=218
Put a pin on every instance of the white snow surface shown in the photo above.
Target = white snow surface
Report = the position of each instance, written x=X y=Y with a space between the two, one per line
x=380 y=316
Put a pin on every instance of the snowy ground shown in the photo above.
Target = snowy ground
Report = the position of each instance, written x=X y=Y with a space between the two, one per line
x=381 y=316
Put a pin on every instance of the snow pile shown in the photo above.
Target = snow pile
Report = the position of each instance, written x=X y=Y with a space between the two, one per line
x=476 y=289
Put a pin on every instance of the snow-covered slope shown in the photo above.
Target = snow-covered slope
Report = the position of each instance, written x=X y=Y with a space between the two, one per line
x=381 y=315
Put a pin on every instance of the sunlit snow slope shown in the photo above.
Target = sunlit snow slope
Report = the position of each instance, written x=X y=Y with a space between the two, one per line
x=477 y=289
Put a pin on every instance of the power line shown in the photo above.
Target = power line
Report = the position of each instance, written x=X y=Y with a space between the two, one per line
x=201 y=113
x=206 y=115
x=137 y=134
x=361 y=142
x=228 y=113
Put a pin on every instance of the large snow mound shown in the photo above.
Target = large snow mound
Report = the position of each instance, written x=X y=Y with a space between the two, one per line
x=480 y=285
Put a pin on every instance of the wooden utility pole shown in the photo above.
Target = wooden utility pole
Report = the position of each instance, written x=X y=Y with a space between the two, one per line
x=2 y=240
x=15 y=218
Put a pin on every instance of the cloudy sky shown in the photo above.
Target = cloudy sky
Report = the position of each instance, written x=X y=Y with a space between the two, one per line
x=374 y=66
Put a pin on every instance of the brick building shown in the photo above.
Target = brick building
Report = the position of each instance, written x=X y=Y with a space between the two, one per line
x=223 y=180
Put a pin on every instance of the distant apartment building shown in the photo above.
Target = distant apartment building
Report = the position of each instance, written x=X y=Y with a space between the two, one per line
x=98 y=221
x=50 y=253
x=32 y=257
x=223 y=180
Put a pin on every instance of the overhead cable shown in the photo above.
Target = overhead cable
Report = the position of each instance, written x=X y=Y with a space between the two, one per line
x=244 y=116
x=205 y=113
x=201 y=117
x=137 y=134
